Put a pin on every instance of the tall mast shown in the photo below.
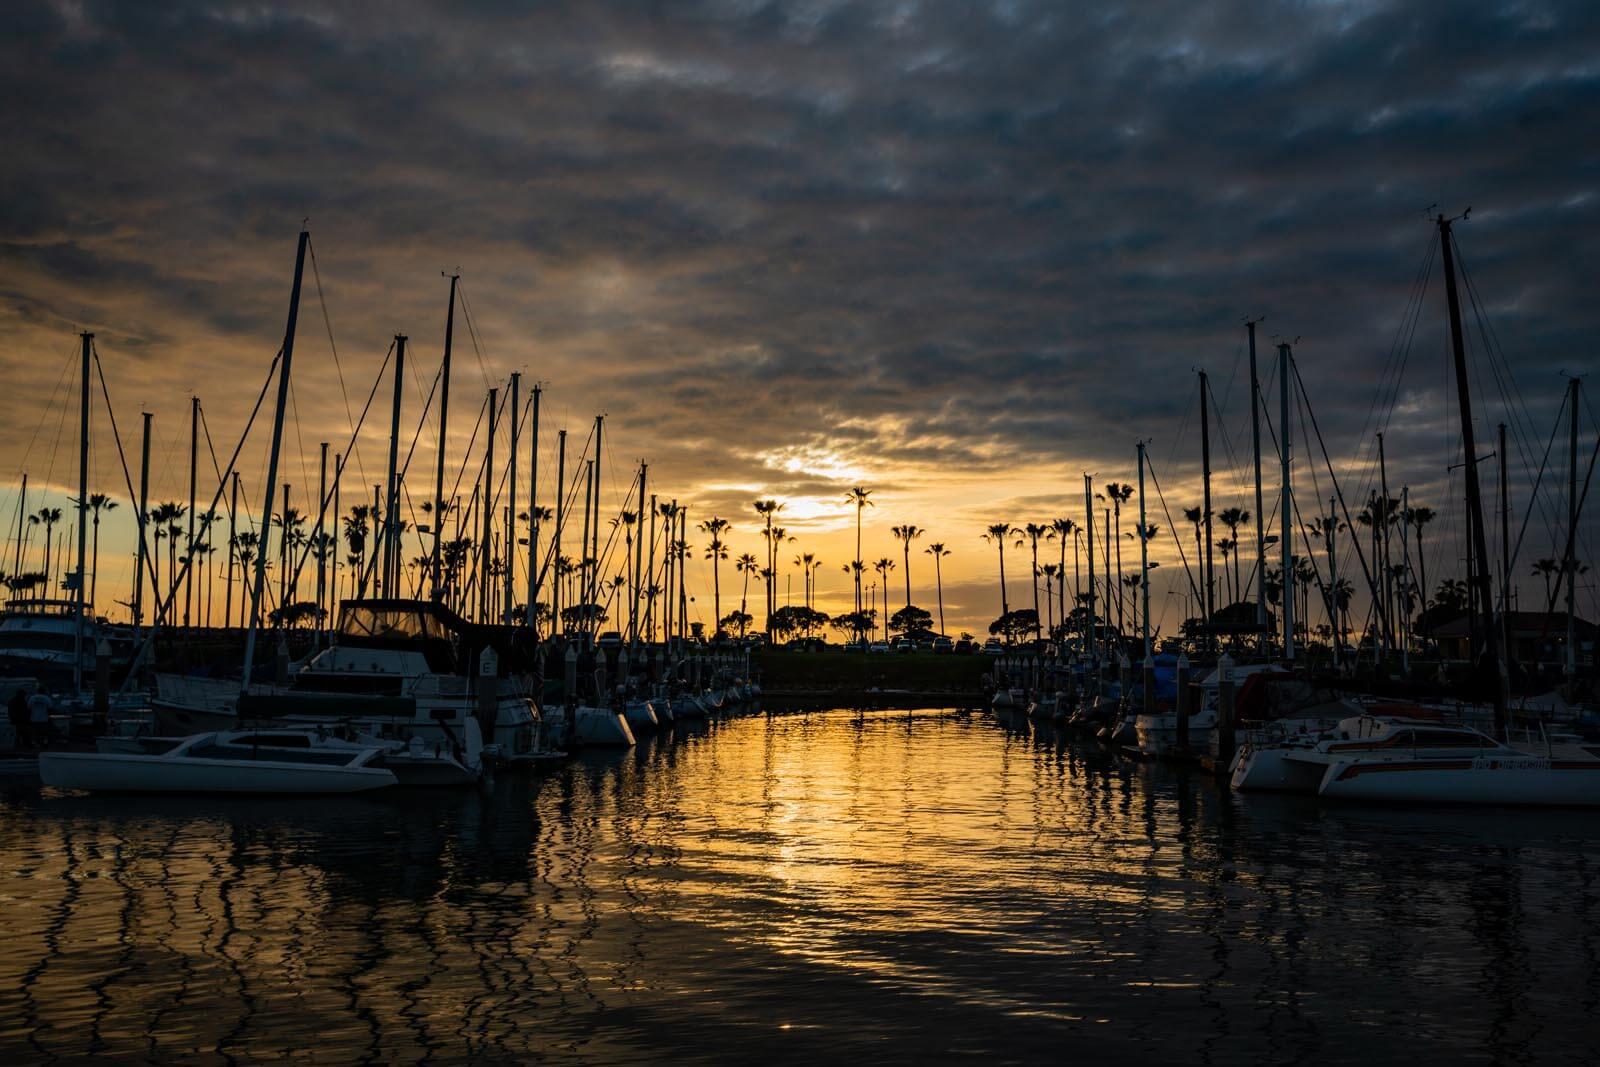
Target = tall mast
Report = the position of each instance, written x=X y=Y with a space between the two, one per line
x=1470 y=454
x=508 y=609
x=338 y=477
x=194 y=446
x=260 y=579
x=83 y=514
x=391 y=489
x=561 y=504
x=444 y=438
x=1088 y=514
x=143 y=551
x=594 y=578
x=1144 y=556
x=1261 y=518
x=320 y=535
x=650 y=571
x=638 y=551
x=485 y=600
x=1285 y=439
x=1570 y=563
x=584 y=598
x=22 y=507
x=1380 y=527
x=233 y=547
x=1205 y=517
x=533 y=516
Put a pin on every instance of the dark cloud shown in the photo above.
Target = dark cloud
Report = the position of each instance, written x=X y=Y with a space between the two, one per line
x=947 y=238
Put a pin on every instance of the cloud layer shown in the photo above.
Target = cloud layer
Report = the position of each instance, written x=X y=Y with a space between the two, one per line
x=958 y=252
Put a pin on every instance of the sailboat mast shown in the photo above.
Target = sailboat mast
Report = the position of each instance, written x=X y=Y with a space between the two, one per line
x=1285 y=438
x=1088 y=514
x=561 y=503
x=485 y=596
x=1205 y=517
x=1571 y=563
x=259 y=582
x=444 y=438
x=194 y=453
x=1470 y=455
x=638 y=551
x=1261 y=518
x=533 y=515
x=83 y=513
x=391 y=509
x=508 y=608
x=594 y=577
x=143 y=551
x=1144 y=560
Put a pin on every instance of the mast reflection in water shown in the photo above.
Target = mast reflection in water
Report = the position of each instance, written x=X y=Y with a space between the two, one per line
x=884 y=884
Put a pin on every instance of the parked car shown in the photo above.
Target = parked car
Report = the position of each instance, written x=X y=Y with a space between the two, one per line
x=993 y=647
x=943 y=646
x=905 y=644
x=610 y=640
x=878 y=647
x=966 y=646
x=854 y=646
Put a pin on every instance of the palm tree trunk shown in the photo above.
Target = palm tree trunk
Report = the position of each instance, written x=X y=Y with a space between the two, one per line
x=1005 y=604
x=1035 y=588
x=938 y=577
x=908 y=571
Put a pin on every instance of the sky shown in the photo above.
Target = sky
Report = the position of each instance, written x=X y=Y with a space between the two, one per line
x=960 y=254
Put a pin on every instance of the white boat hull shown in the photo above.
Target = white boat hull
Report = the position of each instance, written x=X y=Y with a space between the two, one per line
x=1272 y=769
x=126 y=773
x=601 y=726
x=1489 y=779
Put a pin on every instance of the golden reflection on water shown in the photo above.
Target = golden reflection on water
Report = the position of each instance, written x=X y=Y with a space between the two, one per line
x=834 y=881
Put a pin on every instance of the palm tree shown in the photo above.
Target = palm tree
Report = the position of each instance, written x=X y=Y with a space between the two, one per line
x=858 y=496
x=766 y=509
x=355 y=539
x=1118 y=494
x=1032 y=532
x=1417 y=518
x=245 y=544
x=805 y=561
x=1225 y=545
x=1062 y=530
x=1233 y=518
x=883 y=567
x=996 y=535
x=746 y=564
x=98 y=502
x=1197 y=517
x=1547 y=569
x=716 y=552
x=46 y=517
x=905 y=535
x=938 y=552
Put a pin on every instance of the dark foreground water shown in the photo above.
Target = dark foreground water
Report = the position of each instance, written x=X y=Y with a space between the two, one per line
x=885 y=885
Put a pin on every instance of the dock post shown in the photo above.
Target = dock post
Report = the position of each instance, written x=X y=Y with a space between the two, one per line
x=1124 y=679
x=1149 y=685
x=569 y=676
x=1182 y=741
x=1225 y=696
x=488 y=693
x=280 y=672
x=623 y=677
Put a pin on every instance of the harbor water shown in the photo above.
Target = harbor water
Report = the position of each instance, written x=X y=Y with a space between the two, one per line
x=884 y=886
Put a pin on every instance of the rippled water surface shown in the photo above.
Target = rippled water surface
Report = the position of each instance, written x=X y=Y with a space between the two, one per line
x=886 y=885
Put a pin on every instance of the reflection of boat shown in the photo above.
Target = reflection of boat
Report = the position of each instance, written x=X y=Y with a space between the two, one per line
x=229 y=762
